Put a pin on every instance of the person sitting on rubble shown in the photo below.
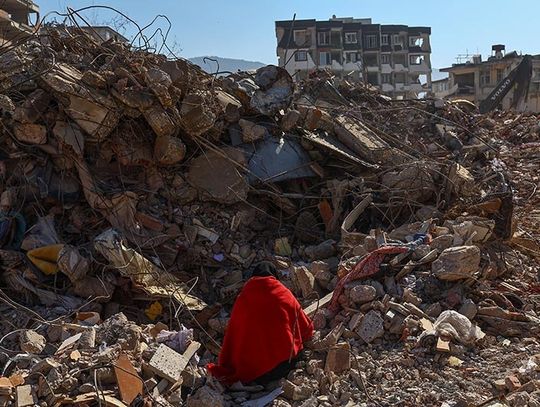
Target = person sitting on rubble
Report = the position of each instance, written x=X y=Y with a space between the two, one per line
x=265 y=334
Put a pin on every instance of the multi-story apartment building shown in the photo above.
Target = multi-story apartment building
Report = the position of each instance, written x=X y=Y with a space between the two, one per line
x=395 y=58
x=475 y=79
x=17 y=18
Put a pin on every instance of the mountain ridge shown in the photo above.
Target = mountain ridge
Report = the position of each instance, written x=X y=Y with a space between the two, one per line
x=225 y=64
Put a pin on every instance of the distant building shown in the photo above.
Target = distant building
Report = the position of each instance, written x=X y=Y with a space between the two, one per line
x=474 y=79
x=440 y=88
x=395 y=58
x=17 y=19
x=100 y=34
x=104 y=33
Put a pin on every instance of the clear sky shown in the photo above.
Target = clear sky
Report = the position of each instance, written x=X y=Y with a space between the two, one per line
x=245 y=28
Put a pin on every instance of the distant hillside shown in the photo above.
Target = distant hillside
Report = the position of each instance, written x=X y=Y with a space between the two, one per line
x=226 y=64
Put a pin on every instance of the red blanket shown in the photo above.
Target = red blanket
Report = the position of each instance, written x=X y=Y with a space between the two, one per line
x=267 y=327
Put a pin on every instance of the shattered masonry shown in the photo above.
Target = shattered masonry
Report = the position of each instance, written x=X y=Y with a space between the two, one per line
x=137 y=192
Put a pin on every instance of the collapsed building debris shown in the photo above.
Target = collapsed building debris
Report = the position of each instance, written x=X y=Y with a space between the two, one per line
x=138 y=192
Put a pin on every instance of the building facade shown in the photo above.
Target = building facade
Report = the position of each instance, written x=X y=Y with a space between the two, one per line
x=475 y=79
x=17 y=20
x=395 y=58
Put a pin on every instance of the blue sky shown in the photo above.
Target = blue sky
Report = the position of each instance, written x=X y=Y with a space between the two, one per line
x=245 y=29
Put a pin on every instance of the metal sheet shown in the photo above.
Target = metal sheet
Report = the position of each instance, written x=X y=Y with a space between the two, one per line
x=274 y=160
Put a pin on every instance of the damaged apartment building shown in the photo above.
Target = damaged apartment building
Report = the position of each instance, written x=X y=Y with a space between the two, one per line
x=474 y=79
x=17 y=20
x=394 y=58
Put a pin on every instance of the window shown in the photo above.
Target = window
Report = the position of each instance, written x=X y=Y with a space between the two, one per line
x=300 y=37
x=536 y=75
x=385 y=58
x=385 y=40
x=371 y=59
x=371 y=41
x=416 y=59
x=351 y=57
x=400 y=77
x=416 y=41
x=485 y=78
x=324 y=37
x=386 y=78
x=398 y=40
x=300 y=56
x=351 y=38
x=500 y=75
x=324 y=58
x=373 y=78
x=400 y=59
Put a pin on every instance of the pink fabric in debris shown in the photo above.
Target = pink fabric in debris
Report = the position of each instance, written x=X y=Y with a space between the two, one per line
x=368 y=266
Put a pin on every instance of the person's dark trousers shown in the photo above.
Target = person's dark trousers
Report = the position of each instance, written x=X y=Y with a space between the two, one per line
x=280 y=371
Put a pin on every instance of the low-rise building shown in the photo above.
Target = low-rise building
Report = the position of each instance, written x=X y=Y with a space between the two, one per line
x=475 y=79
x=17 y=20
x=395 y=58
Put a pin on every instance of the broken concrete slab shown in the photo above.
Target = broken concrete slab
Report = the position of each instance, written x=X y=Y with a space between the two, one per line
x=30 y=133
x=361 y=294
x=230 y=186
x=160 y=121
x=165 y=363
x=196 y=114
x=170 y=364
x=25 y=396
x=96 y=113
x=70 y=135
x=169 y=150
x=457 y=263
x=360 y=139
x=338 y=359
x=371 y=327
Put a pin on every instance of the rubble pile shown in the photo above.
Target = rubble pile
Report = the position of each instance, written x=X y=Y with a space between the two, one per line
x=137 y=193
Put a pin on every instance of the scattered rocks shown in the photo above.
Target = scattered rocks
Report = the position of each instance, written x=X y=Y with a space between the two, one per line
x=32 y=342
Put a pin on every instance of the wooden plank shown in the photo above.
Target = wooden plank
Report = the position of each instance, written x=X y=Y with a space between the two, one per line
x=442 y=345
x=310 y=310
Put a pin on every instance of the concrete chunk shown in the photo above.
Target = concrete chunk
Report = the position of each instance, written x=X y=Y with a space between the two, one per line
x=230 y=186
x=371 y=327
x=457 y=263
x=361 y=294
x=360 y=139
x=338 y=359
x=32 y=342
x=169 y=364
x=169 y=150
x=304 y=280
x=30 y=133
x=165 y=363
x=250 y=131
x=25 y=396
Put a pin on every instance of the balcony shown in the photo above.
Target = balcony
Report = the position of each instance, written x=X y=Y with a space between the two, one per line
x=19 y=5
x=400 y=68
x=386 y=68
x=14 y=18
x=464 y=90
